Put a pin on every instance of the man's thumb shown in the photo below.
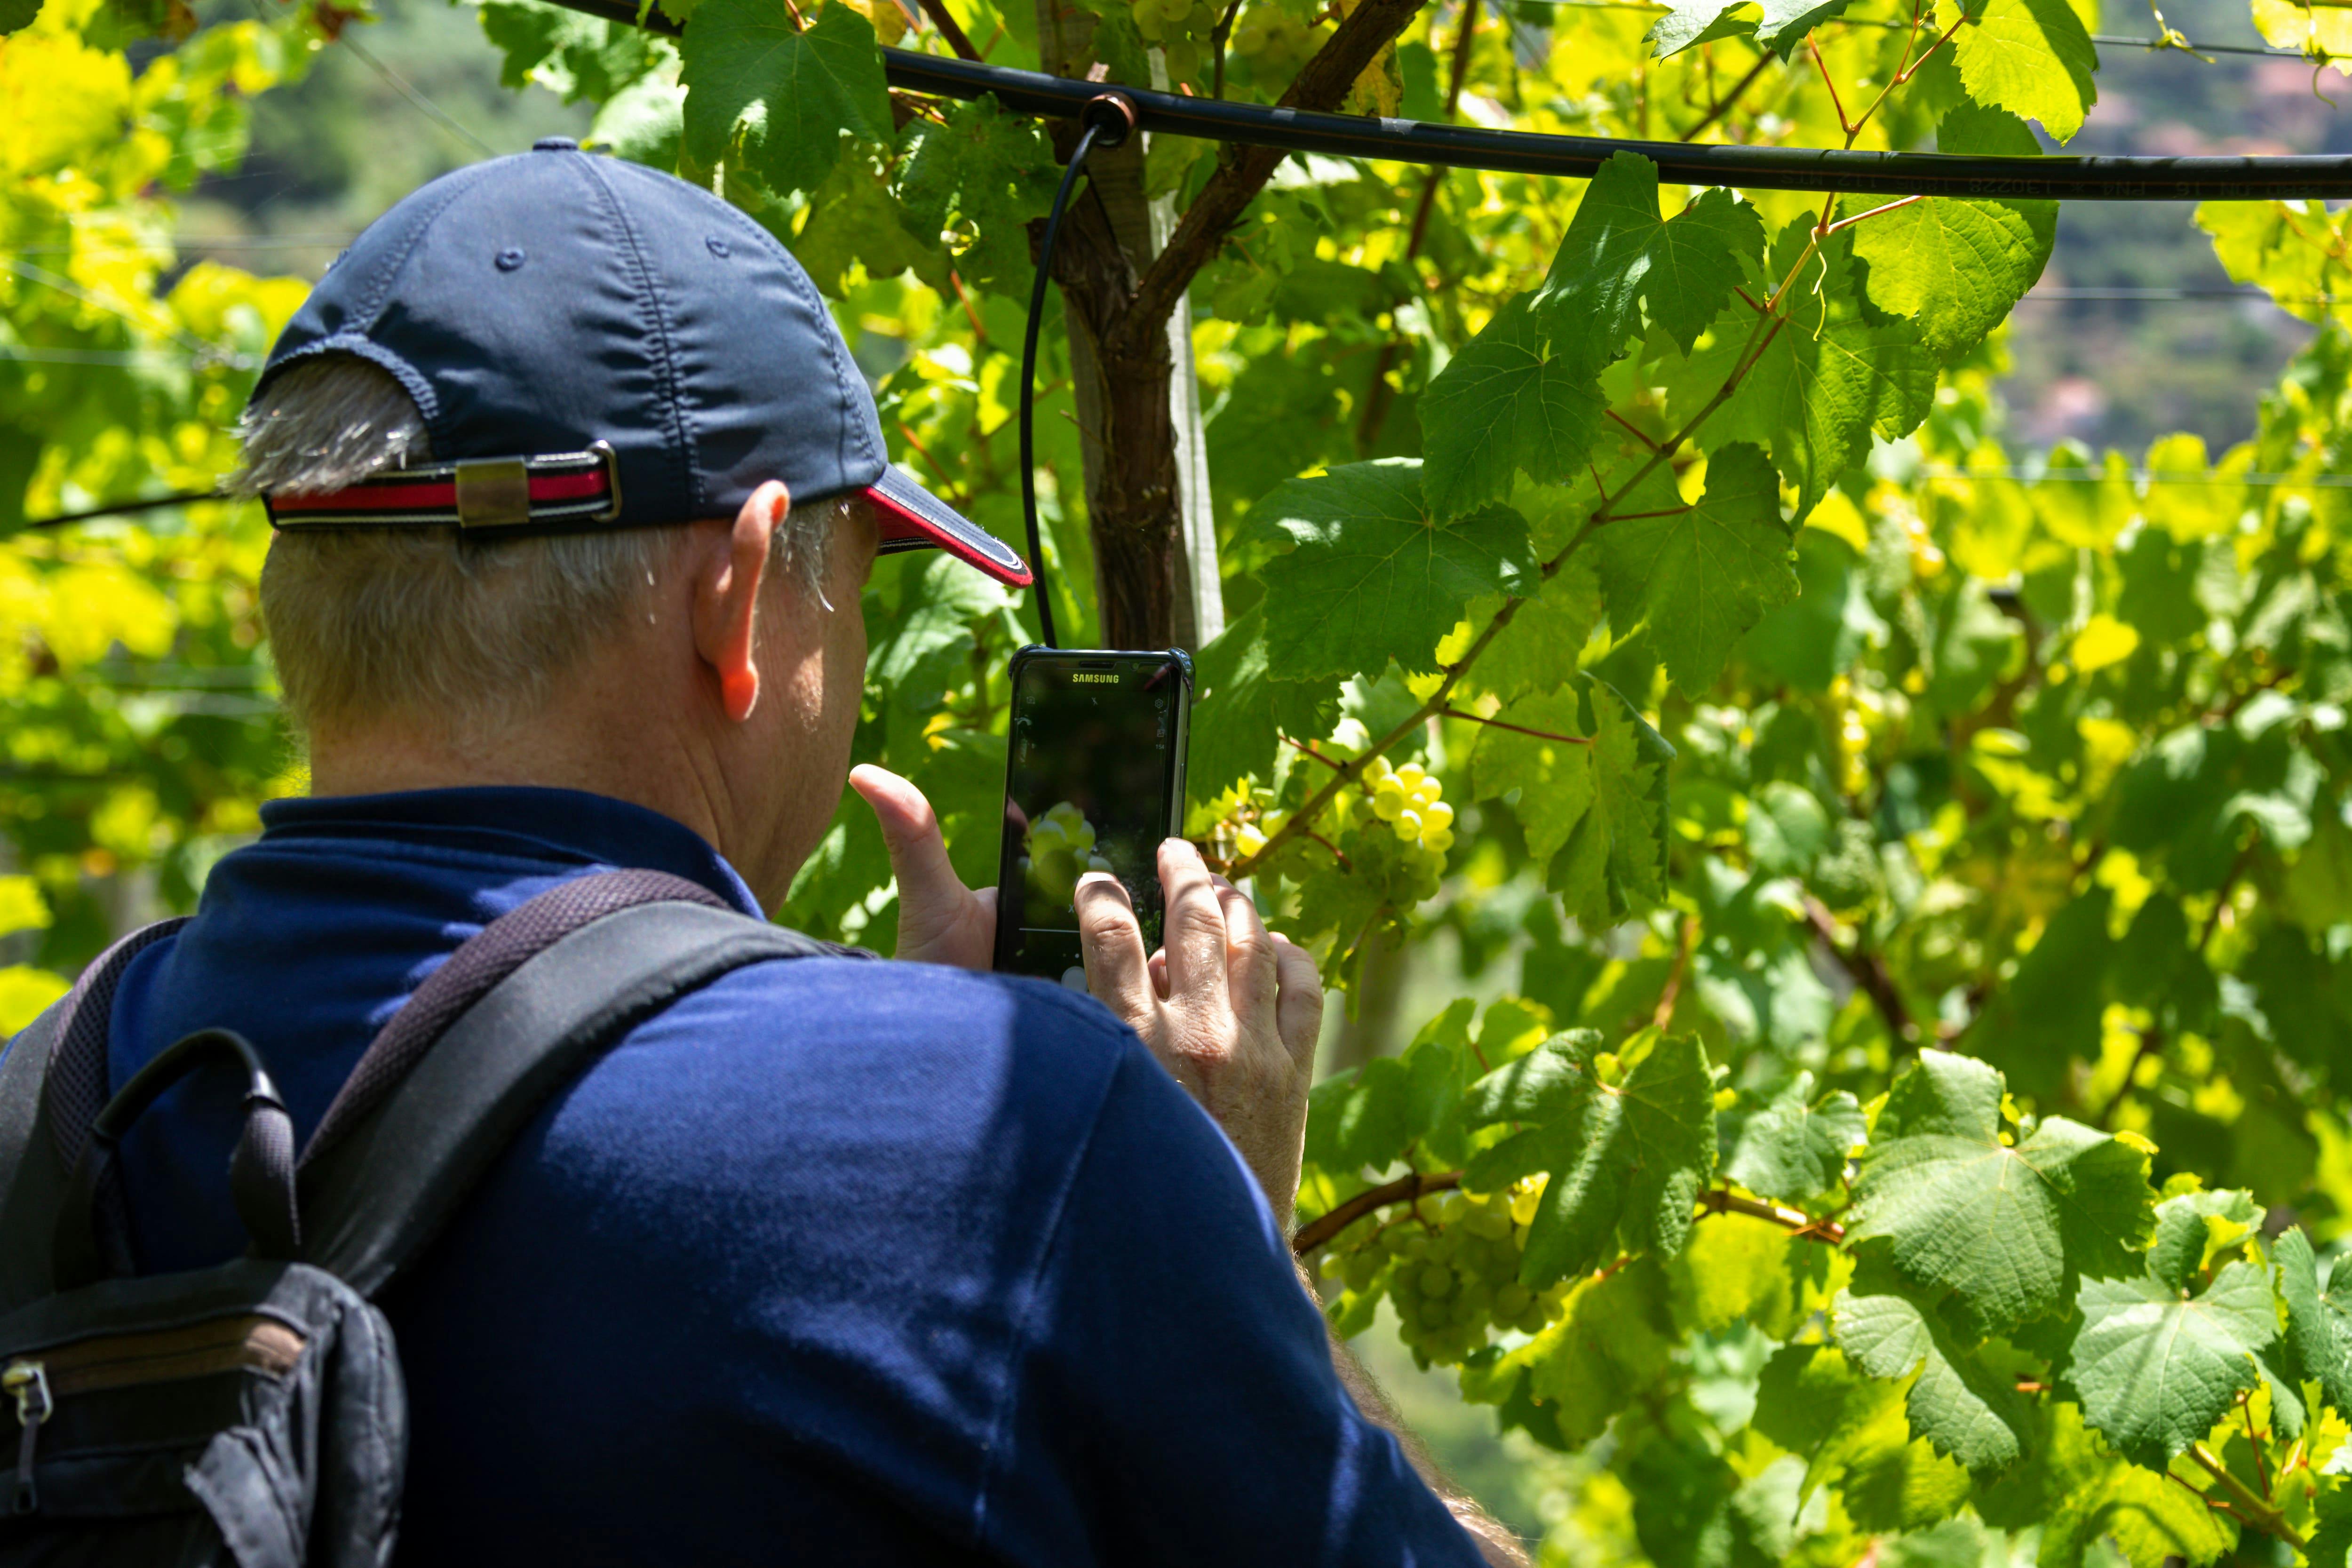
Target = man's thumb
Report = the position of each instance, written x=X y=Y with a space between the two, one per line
x=910 y=832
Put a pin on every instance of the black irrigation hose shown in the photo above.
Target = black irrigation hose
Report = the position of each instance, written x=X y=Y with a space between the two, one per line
x=2118 y=179
x=1107 y=123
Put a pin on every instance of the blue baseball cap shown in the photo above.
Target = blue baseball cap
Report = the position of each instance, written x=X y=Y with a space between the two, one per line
x=593 y=344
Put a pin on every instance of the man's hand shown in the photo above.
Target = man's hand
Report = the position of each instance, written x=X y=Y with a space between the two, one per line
x=1230 y=1009
x=941 y=921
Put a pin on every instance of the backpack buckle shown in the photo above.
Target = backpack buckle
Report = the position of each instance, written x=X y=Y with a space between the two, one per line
x=28 y=1382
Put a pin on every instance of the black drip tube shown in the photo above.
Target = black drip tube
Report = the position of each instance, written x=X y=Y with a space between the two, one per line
x=2118 y=179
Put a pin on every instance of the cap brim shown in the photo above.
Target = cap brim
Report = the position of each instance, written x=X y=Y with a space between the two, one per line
x=914 y=519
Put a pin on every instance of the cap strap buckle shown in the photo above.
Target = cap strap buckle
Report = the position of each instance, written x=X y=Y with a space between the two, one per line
x=494 y=493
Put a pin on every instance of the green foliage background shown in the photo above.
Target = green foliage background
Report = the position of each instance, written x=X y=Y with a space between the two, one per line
x=1894 y=894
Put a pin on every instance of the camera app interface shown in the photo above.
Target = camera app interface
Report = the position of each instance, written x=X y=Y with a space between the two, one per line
x=1089 y=793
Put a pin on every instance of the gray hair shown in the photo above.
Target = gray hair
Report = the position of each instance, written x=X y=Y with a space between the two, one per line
x=428 y=621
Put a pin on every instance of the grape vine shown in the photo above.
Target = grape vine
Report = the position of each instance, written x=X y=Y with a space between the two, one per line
x=1890 y=897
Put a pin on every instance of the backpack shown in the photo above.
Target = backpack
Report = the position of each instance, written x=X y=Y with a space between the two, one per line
x=253 y=1414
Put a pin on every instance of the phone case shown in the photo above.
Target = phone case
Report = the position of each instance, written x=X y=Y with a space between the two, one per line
x=1009 y=891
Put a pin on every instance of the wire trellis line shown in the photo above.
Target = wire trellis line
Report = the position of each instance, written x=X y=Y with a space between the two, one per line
x=2137 y=179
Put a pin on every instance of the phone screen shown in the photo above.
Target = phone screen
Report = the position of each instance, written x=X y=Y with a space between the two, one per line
x=1094 y=782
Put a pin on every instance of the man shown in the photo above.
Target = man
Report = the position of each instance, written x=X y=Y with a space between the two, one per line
x=835 y=1260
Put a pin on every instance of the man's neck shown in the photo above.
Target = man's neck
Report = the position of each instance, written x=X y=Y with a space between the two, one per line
x=649 y=765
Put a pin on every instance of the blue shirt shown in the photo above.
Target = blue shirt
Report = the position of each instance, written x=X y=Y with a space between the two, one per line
x=833 y=1262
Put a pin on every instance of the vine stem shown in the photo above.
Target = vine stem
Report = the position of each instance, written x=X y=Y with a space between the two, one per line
x=1410 y=1188
x=1687 y=939
x=2256 y=1511
x=1514 y=729
x=1724 y=106
x=1415 y=1185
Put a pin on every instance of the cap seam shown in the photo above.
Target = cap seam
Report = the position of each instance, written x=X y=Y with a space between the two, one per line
x=665 y=348
x=796 y=278
x=379 y=290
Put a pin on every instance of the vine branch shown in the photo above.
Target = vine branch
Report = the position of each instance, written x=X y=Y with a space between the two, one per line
x=1867 y=970
x=1321 y=84
x=1414 y=1186
x=2252 y=1508
x=1759 y=339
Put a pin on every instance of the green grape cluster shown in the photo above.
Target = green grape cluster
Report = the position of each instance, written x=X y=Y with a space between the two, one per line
x=1454 y=1276
x=1060 y=849
x=1274 y=42
x=1406 y=798
x=1180 y=28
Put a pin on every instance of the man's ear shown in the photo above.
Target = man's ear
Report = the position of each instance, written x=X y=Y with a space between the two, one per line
x=727 y=577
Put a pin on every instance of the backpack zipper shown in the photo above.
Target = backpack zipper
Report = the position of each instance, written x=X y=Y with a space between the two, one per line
x=29 y=1381
x=251 y=1342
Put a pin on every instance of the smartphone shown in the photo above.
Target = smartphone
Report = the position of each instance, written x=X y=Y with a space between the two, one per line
x=1094 y=780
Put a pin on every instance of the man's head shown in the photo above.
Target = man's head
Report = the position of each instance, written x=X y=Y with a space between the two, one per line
x=576 y=484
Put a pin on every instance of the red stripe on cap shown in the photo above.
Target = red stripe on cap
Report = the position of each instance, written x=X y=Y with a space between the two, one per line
x=373 y=498
x=434 y=495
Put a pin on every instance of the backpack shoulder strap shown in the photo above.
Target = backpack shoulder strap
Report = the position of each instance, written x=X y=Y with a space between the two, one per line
x=431 y=1115
x=52 y=1086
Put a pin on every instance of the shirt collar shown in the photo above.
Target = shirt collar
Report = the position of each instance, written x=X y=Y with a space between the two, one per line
x=562 y=826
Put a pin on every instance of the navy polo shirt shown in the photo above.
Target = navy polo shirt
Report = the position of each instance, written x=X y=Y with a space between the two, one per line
x=834 y=1261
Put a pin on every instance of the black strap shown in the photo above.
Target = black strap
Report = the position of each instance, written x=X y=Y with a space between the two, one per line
x=260 y=1173
x=496 y=951
x=525 y=1006
x=379 y=1194
x=52 y=1086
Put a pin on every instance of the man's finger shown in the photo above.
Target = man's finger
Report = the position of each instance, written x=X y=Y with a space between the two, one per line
x=1299 y=1014
x=1159 y=972
x=1196 y=926
x=1251 y=972
x=910 y=832
x=1118 y=970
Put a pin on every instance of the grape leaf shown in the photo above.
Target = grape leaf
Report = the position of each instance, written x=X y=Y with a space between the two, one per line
x=1701 y=575
x=1505 y=402
x=1792 y=1151
x=1962 y=1407
x=1608 y=1345
x=1244 y=710
x=642 y=122
x=852 y=217
x=1688 y=22
x=1826 y=379
x=1554 y=778
x=926 y=634
x=1359 y=1119
x=2033 y=57
x=1740 y=1270
x=1629 y=762
x=2076 y=1492
x=1954 y=265
x=1625 y=1161
x=2004 y=1231
x=1619 y=253
x=2193 y=1229
x=2331 y=1527
x=2156 y=1368
x=1537 y=650
x=2318 y=1326
x=994 y=171
x=1786 y=22
x=792 y=93
x=1849 y=1428
x=1373 y=575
